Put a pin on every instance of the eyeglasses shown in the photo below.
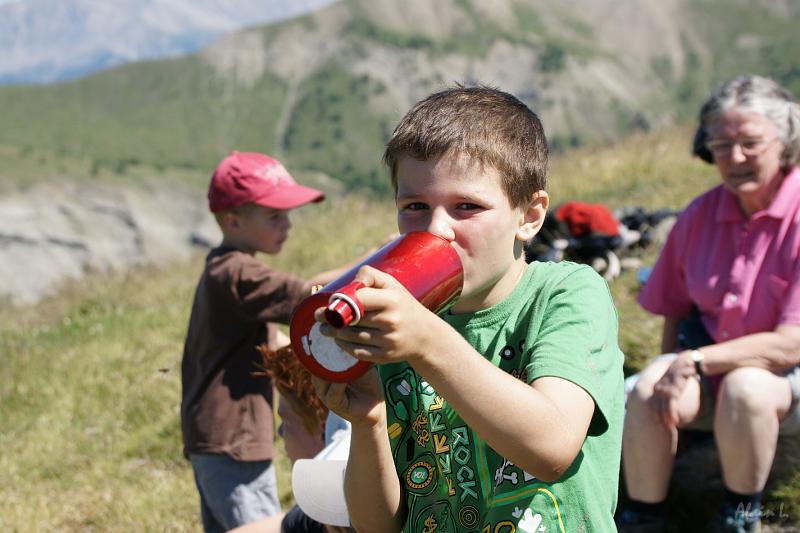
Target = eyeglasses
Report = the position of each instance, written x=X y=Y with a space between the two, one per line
x=750 y=147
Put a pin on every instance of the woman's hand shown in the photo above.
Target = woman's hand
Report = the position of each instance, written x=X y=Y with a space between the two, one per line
x=668 y=390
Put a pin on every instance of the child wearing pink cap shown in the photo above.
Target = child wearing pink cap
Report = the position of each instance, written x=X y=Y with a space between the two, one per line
x=226 y=412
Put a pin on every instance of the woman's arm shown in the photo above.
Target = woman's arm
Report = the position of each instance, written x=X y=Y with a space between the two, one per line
x=773 y=350
x=669 y=335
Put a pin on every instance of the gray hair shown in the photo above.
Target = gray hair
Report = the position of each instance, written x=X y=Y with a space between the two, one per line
x=755 y=94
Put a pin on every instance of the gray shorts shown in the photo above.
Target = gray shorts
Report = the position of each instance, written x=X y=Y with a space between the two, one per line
x=790 y=425
x=234 y=493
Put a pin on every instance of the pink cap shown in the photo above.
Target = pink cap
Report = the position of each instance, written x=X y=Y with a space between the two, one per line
x=250 y=177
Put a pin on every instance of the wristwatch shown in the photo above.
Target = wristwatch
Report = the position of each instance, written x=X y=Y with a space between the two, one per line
x=697 y=357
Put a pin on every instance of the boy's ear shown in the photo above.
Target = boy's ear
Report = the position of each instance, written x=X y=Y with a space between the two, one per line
x=230 y=221
x=532 y=216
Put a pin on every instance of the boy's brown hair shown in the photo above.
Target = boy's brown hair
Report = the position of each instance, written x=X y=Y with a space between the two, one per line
x=491 y=126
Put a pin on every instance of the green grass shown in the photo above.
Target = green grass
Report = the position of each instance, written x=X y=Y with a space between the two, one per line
x=89 y=416
x=91 y=386
x=91 y=389
x=653 y=170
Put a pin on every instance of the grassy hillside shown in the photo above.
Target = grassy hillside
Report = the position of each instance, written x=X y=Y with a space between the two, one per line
x=91 y=388
x=324 y=91
x=21 y=167
x=171 y=112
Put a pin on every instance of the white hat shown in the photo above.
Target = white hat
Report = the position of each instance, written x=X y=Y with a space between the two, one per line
x=318 y=483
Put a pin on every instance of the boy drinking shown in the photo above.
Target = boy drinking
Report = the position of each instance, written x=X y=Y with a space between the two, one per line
x=503 y=413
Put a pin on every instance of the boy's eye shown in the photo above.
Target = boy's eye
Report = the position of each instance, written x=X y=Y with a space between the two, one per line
x=467 y=206
x=415 y=206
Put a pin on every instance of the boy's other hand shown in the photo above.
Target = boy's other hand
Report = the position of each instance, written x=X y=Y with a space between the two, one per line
x=359 y=402
x=395 y=326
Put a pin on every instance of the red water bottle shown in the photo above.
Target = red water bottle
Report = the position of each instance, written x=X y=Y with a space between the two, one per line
x=424 y=263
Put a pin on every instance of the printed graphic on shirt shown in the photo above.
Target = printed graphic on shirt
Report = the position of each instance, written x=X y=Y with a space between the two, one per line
x=454 y=482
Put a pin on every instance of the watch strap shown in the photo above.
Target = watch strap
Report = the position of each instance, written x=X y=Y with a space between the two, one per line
x=697 y=358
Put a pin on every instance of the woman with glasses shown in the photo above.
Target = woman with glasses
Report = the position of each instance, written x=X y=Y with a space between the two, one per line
x=728 y=285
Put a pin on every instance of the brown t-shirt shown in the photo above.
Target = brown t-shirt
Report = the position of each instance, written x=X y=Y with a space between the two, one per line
x=225 y=408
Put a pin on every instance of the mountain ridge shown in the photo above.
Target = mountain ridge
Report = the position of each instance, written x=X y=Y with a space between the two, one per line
x=43 y=41
x=323 y=91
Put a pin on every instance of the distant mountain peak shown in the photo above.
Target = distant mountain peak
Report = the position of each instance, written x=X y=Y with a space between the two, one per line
x=43 y=41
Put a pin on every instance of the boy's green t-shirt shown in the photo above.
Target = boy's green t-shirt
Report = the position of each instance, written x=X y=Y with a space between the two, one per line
x=558 y=321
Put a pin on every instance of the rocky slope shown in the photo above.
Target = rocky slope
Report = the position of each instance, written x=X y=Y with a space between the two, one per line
x=54 y=232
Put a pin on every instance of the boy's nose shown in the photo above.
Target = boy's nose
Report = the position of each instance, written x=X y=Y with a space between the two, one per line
x=442 y=225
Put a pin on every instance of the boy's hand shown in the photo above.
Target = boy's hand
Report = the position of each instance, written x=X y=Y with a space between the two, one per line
x=359 y=402
x=395 y=326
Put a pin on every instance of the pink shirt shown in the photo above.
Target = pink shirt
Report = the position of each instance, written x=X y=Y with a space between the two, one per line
x=743 y=275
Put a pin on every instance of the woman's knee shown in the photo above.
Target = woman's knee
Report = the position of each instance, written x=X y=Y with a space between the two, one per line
x=752 y=392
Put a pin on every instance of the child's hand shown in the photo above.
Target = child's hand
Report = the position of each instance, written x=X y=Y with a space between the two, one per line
x=359 y=402
x=395 y=326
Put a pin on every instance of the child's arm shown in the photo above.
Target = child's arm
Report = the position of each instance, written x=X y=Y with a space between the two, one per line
x=323 y=278
x=372 y=489
x=539 y=427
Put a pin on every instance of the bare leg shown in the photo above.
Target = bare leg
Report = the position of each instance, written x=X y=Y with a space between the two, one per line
x=751 y=403
x=648 y=447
